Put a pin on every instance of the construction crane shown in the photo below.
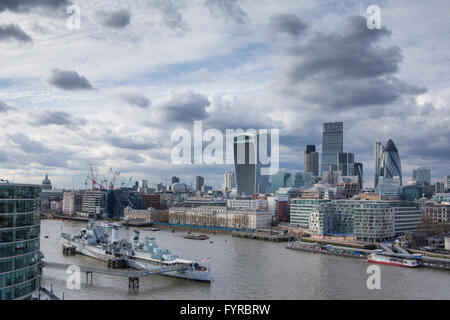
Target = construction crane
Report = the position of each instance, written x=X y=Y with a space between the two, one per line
x=111 y=184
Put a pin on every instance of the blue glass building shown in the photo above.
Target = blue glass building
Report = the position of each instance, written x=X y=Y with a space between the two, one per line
x=19 y=241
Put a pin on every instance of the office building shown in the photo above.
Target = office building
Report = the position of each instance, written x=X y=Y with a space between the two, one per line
x=390 y=162
x=19 y=241
x=221 y=217
x=311 y=160
x=332 y=145
x=199 y=182
x=389 y=188
x=175 y=179
x=72 y=202
x=229 y=181
x=447 y=183
x=300 y=210
x=302 y=179
x=346 y=163
x=247 y=204
x=440 y=187
x=94 y=203
x=280 y=180
x=360 y=173
x=249 y=178
x=151 y=200
x=143 y=186
x=439 y=212
x=377 y=155
x=368 y=221
x=421 y=174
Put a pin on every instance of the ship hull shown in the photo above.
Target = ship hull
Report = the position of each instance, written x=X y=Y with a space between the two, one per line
x=393 y=263
x=99 y=254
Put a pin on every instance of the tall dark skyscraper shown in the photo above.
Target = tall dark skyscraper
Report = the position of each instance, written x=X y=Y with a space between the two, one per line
x=199 y=182
x=311 y=160
x=175 y=179
x=332 y=145
x=249 y=180
x=346 y=163
x=360 y=173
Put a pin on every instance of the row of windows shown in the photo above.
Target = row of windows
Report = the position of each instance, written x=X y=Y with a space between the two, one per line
x=19 y=248
x=16 y=277
x=13 y=235
x=19 y=290
x=18 y=192
x=17 y=206
x=19 y=220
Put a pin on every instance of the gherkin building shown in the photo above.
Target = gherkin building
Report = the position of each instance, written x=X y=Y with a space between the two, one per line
x=390 y=162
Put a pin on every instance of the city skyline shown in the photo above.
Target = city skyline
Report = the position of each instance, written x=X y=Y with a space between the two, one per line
x=85 y=103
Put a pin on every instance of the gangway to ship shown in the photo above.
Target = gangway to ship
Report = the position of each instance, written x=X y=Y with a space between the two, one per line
x=401 y=250
x=386 y=248
x=132 y=275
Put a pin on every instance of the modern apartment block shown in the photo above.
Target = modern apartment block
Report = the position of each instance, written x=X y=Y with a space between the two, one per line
x=368 y=221
x=19 y=241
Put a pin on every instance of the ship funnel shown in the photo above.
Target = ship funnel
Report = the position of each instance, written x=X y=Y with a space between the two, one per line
x=115 y=235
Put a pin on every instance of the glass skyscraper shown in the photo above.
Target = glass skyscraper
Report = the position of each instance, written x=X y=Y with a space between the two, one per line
x=311 y=160
x=391 y=165
x=249 y=179
x=19 y=241
x=332 y=145
x=346 y=163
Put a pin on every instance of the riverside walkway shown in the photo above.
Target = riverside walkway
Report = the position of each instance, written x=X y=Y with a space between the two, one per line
x=132 y=275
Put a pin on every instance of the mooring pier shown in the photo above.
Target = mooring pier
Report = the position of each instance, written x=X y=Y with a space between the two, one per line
x=132 y=275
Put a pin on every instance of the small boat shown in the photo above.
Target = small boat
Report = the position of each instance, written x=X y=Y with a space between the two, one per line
x=196 y=237
x=155 y=229
x=46 y=237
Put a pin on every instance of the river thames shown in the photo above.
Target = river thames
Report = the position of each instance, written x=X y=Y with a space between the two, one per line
x=242 y=269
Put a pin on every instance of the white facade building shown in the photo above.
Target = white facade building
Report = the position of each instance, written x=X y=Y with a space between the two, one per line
x=220 y=217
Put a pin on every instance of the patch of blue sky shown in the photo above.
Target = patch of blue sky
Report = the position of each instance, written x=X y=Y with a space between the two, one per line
x=184 y=73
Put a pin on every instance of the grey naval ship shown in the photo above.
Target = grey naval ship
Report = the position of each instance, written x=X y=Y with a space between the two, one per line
x=100 y=240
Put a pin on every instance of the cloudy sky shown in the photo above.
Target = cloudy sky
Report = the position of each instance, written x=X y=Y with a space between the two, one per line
x=111 y=92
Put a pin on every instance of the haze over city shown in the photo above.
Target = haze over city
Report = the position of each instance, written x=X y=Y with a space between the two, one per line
x=111 y=93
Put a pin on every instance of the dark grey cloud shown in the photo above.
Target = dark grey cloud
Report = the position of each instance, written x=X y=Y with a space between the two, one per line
x=22 y=6
x=171 y=14
x=116 y=19
x=185 y=106
x=136 y=100
x=69 y=80
x=347 y=68
x=60 y=118
x=288 y=24
x=130 y=142
x=5 y=107
x=26 y=144
x=227 y=9
x=13 y=31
